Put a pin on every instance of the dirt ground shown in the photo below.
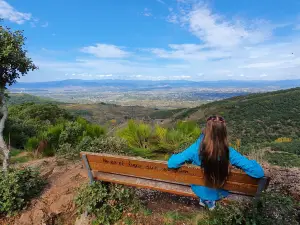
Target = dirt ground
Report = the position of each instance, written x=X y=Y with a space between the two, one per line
x=56 y=202
x=55 y=206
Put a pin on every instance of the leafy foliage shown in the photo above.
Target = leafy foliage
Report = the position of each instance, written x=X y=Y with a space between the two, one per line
x=106 y=202
x=21 y=98
x=31 y=120
x=257 y=118
x=136 y=134
x=32 y=143
x=270 y=208
x=13 y=57
x=274 y=208
x=17 y=188
x=165 y=114
x=31 y=123
x=232 y=214
x=66 y=151
x=291 y=147
x=283 y=159
x=71 y=134
x=112 y=145
x=158 y=139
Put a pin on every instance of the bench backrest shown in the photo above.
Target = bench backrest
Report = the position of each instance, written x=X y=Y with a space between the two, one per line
x=154 y=174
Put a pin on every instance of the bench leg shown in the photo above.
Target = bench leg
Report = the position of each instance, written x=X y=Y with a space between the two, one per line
x=87 y=166
x=261 y=186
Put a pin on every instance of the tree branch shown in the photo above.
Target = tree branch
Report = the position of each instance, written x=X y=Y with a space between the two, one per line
x=3 y=146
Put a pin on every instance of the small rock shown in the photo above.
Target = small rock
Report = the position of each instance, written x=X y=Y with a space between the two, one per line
x=24 y=219
x=82 y=220
x=61 y=204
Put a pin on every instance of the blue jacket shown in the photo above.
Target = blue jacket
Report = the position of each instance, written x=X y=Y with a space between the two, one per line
x=191 y=154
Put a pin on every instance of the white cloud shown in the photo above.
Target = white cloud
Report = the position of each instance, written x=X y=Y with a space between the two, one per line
x=190 y=52
x=7 y=12
x=161 y=1
x=103 y=75
x=173 y=18
x=45 y=25
x=217 y=31
x=263 y=75
x=32 y=24
x=147 y=12
x=105 y=51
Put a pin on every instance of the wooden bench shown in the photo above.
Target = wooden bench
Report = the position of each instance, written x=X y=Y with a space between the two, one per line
x=154 y=174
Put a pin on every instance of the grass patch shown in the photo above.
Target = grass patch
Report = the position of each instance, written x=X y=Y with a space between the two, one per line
x=14 y=152
x=283 y=159
x=172 y=217
x=21 y=159
x=128 y=221
x=19 y=156
x=165 y=114
x=186 y=113
x=291 y=147
x=147 y=212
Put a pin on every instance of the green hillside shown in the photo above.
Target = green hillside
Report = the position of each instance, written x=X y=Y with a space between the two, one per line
x=99 y=113
x=255 y=118
x=20 y=98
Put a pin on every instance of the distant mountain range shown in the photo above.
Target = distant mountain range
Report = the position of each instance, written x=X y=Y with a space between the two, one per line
x=164 y=84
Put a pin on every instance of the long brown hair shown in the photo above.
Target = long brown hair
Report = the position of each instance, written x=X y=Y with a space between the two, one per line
x=214 y=152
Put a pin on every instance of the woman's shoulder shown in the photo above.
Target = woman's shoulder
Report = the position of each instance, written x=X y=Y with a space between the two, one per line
x=233 y=152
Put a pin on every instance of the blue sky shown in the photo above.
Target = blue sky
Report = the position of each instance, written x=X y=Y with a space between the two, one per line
x=159 y=39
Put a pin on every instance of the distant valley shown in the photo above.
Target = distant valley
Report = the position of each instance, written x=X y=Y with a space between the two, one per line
x=155 y=94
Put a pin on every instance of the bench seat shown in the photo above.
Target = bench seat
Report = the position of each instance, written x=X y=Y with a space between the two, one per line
x=155 y=175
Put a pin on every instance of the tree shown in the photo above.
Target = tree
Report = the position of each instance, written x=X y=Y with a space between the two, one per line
x=14 y=63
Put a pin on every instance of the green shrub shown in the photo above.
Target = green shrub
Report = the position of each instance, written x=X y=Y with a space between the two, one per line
x=92 y=130
x=291 y=147
x=142 y=152
x=158 y=139
x=67 y=151
x=232 y=214
x=18 y=131
x=275 y=209
x=84 y=144
x=136 y=134
x=270 y=208
x=48 y=152
x=52 y=135
x=17 y=188
x=189 y=128
x=71 y=134
x=283 y=159
x=32 y=143
x=106 y=202
x=113 y=145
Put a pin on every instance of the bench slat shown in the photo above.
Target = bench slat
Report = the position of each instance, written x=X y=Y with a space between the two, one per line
x=169 y=177
x=177 y=189
x=235 y=175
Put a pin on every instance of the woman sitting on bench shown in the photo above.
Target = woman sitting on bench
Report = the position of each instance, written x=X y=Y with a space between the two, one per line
x=211 y=151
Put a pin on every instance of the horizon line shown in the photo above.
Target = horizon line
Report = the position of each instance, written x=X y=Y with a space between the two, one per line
x=165 y=80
